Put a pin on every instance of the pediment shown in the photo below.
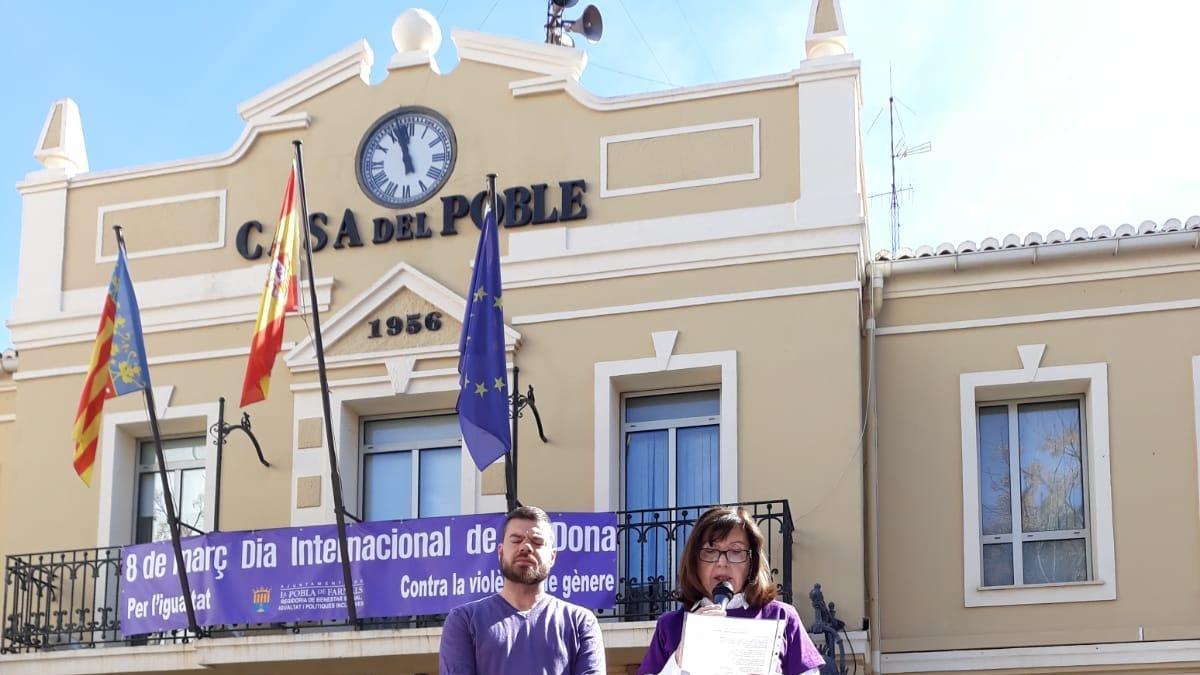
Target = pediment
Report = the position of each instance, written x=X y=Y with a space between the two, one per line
x=405 y=314
x=355 y=61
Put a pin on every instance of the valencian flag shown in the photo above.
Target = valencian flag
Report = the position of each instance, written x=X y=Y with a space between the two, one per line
x=278 y=298
x=483 y=388
x=118 y=364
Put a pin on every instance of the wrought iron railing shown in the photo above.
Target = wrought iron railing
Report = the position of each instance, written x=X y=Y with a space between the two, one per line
x=651 y=540
x=69 y=599
x=64 y=599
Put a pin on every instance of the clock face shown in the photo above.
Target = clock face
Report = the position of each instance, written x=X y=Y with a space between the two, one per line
x=406 y=157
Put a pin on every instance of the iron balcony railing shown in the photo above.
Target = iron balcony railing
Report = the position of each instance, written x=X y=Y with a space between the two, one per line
x=650 y=542
x=69 y=599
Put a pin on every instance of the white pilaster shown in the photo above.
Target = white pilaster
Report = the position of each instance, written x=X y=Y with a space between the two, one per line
x=830 y=149
x=43 y=236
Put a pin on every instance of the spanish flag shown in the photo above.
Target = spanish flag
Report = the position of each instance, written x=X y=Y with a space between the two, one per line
x=279 y=297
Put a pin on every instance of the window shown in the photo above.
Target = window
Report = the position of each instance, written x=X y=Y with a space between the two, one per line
x=184 y=459
x=671 y=449
x=411 y=467
x=1036 y=484
x=666 y=369
x=671 y=461
x=1036 y=450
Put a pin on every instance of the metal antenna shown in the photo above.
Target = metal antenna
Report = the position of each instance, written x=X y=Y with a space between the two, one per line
x=898 y=151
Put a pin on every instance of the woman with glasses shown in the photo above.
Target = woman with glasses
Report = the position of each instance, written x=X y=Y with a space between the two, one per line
x=726 y=546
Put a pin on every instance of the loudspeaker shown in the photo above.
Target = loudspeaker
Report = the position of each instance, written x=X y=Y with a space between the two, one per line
x=590 y=25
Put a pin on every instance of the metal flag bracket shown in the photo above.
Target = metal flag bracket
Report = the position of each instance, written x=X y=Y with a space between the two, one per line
x=519 y=402
x=220 y=432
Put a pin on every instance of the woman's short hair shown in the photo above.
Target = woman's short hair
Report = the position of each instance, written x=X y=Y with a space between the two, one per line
x=713 y=526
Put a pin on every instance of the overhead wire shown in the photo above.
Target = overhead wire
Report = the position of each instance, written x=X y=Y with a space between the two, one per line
x=696 y=37
x=877 y=116
x=645 y=42
x=592 y=64
x=488 y=15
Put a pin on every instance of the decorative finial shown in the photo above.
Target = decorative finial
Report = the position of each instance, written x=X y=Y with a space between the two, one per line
x=60 y=145
x=416 y=31
x=826 y=30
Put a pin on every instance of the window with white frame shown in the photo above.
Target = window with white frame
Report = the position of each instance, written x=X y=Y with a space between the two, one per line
x=1033 y=488
x=671 y=461
x=184 y=458
x=411 y=467
x=1044 y=535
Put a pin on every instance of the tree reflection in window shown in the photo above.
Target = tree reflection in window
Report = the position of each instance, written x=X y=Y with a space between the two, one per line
x=185 y=458
x=1051 y=523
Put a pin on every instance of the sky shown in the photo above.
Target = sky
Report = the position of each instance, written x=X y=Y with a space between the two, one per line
x=1041 y=114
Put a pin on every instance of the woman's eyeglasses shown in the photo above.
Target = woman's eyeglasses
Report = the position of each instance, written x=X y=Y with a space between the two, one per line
x=734 y=556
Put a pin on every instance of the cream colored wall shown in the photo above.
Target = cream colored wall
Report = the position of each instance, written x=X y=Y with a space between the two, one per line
x=798 y=357
x=798 y=416
x=8 y=473
x=783 y=352
x=255 y=190
x=539 y=139
x=252 y=496
x=8 y=452
x=359 y=340
x=687 y=284
x=150 y=228
x=1153 y=463
x=494 y=131
x=1043 y=299
x=681 y=157
x=159 y=345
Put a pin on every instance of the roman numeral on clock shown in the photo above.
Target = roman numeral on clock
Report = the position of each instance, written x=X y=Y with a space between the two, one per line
x=378 y=179
x=434 y=172
x=439 y=157
x=407 y=192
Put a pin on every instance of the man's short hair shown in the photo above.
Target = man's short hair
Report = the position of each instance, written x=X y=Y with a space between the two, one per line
x=528 y=513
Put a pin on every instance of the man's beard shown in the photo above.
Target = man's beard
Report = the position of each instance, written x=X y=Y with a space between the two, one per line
x=529 y=576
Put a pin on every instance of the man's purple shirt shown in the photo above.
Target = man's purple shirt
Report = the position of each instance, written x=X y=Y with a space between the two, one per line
x=490 y=637
x=798 y=653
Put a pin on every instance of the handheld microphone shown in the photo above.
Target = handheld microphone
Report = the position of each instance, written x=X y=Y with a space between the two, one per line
x=723 y=593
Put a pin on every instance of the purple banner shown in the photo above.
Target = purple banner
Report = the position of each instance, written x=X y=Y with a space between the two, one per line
x=399 y=568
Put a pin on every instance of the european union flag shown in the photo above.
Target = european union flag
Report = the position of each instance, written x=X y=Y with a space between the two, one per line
x=127 y=363
x=483 y=383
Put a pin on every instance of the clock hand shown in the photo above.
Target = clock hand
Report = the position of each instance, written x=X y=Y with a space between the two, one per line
x=408 y=163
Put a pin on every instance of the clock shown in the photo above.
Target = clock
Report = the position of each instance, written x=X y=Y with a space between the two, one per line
x=406 y=157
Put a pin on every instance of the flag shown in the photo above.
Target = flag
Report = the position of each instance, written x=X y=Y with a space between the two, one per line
x=118 y=364
x=483 y=384
x=278 y=298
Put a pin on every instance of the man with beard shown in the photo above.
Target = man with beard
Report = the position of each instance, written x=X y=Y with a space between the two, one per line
x=521 y=630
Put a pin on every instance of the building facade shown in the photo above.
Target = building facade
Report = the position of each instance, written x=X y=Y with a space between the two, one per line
x=682 y=286
x=1036 y=448
x=986 y=454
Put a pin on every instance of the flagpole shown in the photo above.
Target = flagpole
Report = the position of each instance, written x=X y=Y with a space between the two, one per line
x=335 y=478
x=510 y=458
x=172 y=519
x=511 y=462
